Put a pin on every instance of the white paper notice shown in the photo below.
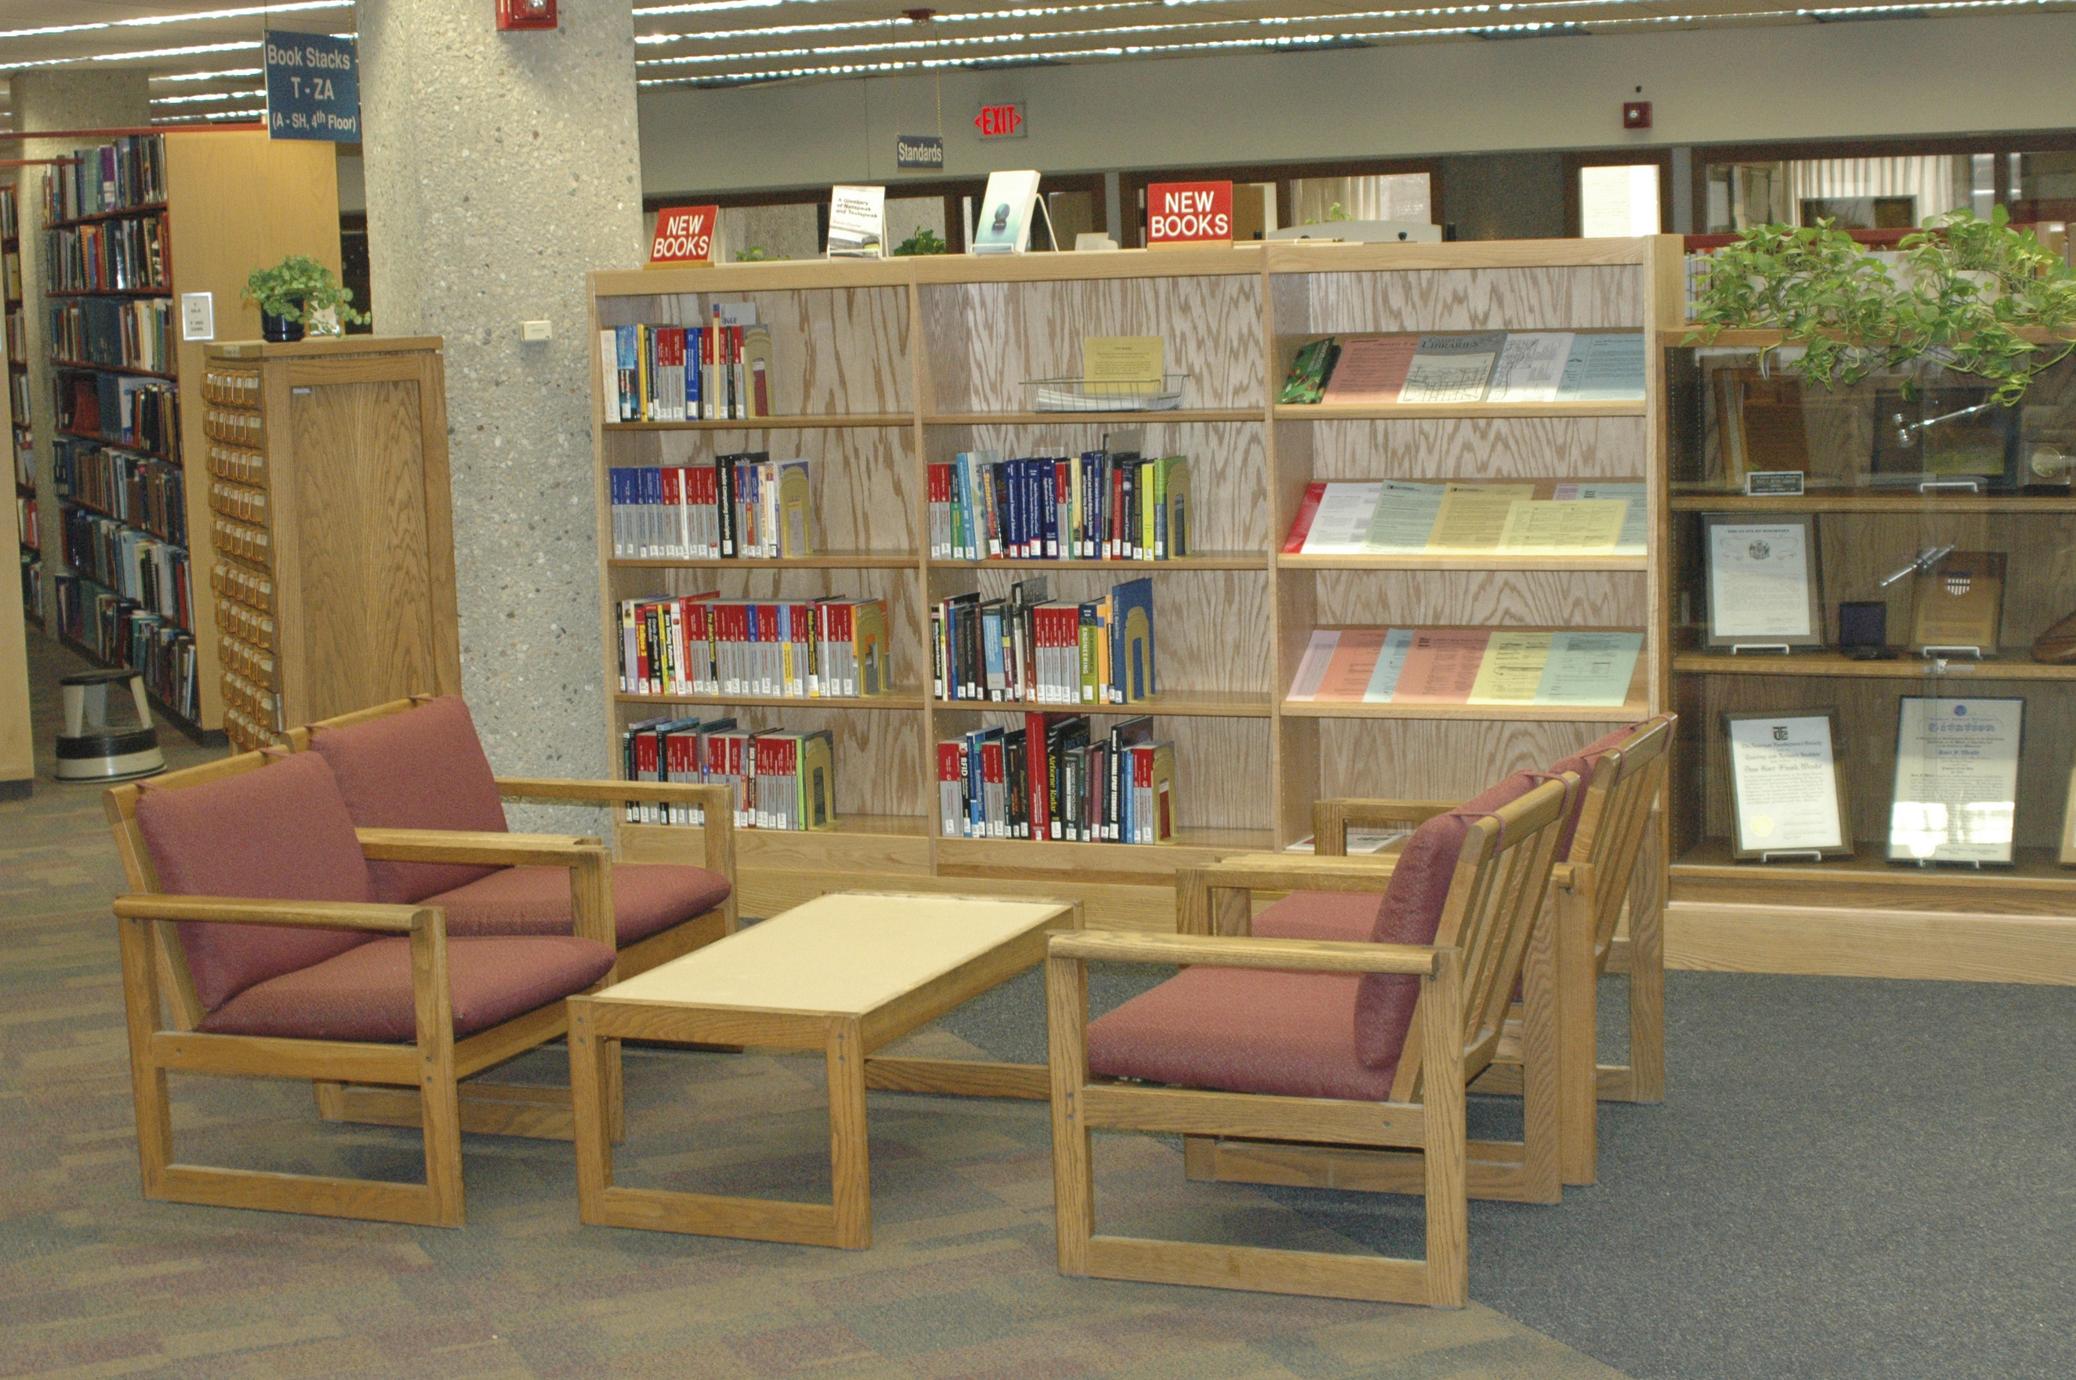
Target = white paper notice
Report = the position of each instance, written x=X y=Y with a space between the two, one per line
x=1758 y=585
x=1787 y=784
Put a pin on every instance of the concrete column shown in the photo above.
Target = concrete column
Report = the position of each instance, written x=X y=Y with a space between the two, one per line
x=500 y=169
x=58 y=99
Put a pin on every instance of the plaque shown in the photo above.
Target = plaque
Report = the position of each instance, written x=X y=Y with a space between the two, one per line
x=1763 y=588
x=1787 y=787
x=1950 y=435
x=1956 y=790
x=1957 y=604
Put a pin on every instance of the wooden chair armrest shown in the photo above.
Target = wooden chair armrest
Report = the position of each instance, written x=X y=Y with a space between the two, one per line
x=367 y=916
x=1297 y=872
x=1333 y=818
x=716 y=801
x=1565 y=876
x=482 y=848
x=1302 y=955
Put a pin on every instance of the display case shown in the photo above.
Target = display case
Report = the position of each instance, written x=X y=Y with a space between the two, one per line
x=1868 y=587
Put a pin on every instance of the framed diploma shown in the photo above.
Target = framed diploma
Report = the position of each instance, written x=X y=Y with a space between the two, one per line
x=1787 y=787
x=1764 y=591
x=1956 y=792
x=1957 y=605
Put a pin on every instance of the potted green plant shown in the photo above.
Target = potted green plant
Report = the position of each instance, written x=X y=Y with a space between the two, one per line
x=1968 y=295
x=923 y=241
x=300 y=293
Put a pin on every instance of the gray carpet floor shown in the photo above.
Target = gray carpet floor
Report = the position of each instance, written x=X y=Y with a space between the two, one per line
x=1847 y=1178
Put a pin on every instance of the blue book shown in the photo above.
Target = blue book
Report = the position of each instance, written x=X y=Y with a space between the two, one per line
x=991 y=649
x=1132 y=652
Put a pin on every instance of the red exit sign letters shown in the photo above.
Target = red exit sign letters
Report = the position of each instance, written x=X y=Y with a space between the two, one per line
x=1188 y=213
x=1001 y=121
x=684 y=235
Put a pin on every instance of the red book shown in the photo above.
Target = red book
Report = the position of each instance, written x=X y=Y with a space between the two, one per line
x=1301 y=526
x=1035 y=778
x=1062 y=496
x=1142 y=780
x=1113 y=545
x=951 y=778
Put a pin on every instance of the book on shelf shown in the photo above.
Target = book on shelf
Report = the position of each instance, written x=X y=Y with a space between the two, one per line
x=146 y=570
x=112 y=332
x=13 y=260
x=144 y=413
x=28 y=529
x=1467 y=666
x=108 y=256
x=137 y=489
x=1468 y=367
x=1101 y=505
x=777 y=779
x=719 y=371
x=1395 y=517
x=1053 y=777
x=10 y=215
x=823 y=647
x=1032 y=649
x=128 y=172
x=115 y=630
x=741 y=507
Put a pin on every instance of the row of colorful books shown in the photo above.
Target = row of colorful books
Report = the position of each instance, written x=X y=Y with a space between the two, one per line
x=1031 y=648
x=144 y=413
x=146 y=570
x=141 y=491
x=745 y=506
x=1053 y=779
x=668 y=373
x=1483 y=666
x=779 y=780
x=1097 y=506
x=1468 y=367
x=120 y=334
x=825 y=647
x=115 y=630
x=1399 y=517
x=108 y=256
x=131 y=171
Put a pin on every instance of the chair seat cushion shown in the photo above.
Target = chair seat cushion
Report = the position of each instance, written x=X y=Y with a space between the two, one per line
x=647 y=899
x=1241 y=1030
x=365 y=993
x=1350 y=916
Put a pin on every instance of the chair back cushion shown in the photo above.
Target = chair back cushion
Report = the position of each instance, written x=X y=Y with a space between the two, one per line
x=1581 y=764
x=421 y=769
x=1412 y=912
x=276 y=833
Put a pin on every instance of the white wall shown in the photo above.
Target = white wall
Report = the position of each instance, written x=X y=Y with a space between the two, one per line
x=1774 y=82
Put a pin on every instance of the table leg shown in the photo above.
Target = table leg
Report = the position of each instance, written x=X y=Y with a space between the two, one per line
x=850 y=1170
x=589 y=1086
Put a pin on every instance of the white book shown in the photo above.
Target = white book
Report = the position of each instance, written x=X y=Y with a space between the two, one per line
x=857 y=223
x=1004 y=226
x=1452 y=368
x=1341 y=525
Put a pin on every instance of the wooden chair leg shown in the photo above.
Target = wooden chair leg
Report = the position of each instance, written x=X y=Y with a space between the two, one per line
x=587 y=1061
x=147 y=1079
x=1444 y=1138
x=1647 y=1003
x=1200 y=1158
x=1073 y=1173
x=1541 y=1179
x=1577 y=1039
x=439 y=1096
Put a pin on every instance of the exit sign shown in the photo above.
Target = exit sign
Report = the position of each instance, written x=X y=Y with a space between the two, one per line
x=1001 y=121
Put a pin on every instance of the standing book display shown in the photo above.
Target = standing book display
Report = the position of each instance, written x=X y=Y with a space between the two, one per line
x=1515 y=632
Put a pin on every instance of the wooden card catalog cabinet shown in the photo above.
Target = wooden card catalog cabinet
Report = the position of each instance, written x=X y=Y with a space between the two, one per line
x=331 y=539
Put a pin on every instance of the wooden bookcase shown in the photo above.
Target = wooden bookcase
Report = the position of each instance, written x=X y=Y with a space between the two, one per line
x=1864 y=915
x=17 y=744
x=885 y=367
x=21 y=415
x=324 y=467
x=235 y=201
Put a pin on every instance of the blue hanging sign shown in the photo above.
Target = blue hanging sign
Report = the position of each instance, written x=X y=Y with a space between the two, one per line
x=313 y=87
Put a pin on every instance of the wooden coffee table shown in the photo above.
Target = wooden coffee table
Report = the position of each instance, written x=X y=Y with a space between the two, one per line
x=844 y=974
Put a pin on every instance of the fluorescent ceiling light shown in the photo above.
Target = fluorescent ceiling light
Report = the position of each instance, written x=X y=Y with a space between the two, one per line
x=199 y=97
x=192 y=17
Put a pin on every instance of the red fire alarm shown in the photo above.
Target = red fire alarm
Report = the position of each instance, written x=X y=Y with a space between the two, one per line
x=525 y=14
x=1636 y=114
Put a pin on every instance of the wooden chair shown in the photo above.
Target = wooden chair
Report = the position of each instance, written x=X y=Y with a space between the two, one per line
x=418 y=763
x=1309 y=1059
x=1594 y=882
x=251 y=947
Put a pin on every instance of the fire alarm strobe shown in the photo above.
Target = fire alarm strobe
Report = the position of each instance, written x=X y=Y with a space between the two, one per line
x=1636 y=114
x=525 y=14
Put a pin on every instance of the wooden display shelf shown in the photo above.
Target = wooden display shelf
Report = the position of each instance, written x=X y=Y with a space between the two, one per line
x=1209 y=704
x=143 y=208
x=1384 y=412
x=1121 y=418
x=1767 y=337
x=2034 y=881
x=1903 y=667
x=897 y=700
x=1189 y=848
x=108 y=292
x=74 y=501
x=1215 y=560
x=821 y=560
x=1632 y=710
x=1931 y=506
x=128 y=447
x=1465 y=560
x=130 y=370
x=790 y=423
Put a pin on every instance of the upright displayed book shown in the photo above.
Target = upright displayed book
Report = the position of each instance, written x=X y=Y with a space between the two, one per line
x=858 y=223
x=1005 y=211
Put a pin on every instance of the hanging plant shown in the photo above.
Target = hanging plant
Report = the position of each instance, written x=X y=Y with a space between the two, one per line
x=1971 y=295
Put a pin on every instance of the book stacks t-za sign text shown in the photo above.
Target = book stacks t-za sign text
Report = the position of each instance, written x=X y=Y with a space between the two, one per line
x=1188 y=213
x=684 y=236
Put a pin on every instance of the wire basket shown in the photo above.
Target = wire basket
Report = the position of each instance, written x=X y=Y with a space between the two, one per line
x=1163 y=394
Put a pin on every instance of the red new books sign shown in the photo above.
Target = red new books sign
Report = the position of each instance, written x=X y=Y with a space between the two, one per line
x=1189 y=213
x=684 y=235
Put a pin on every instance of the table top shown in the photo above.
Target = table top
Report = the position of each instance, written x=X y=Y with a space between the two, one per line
x=848 y=953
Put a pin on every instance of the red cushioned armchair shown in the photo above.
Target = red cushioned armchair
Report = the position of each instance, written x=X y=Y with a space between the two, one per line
x=1327 y=1062
x=417 y=764
x=253 y=943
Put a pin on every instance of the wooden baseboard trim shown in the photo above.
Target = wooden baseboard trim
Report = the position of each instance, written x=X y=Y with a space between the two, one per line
x=1830 y=942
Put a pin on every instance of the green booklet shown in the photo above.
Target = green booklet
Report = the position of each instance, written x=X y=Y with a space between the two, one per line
x=1309 y=372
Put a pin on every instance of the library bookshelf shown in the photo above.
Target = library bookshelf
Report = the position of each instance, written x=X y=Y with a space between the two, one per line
x=1863 y=915
x=227 y=202
x=17 y=743
x=882 y=368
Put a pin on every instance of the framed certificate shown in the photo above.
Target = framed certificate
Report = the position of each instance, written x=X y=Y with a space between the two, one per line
x=1764 y=592
x=1787 y=787
x=1956 y=791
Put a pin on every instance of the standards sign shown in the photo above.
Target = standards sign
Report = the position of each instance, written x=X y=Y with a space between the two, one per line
x=919 y=151
x=313 y=88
